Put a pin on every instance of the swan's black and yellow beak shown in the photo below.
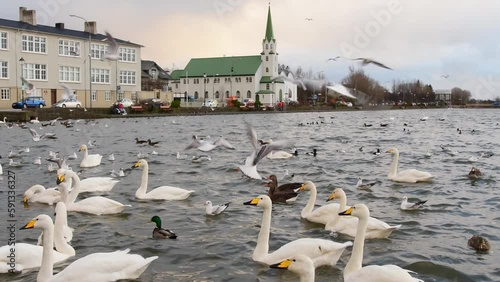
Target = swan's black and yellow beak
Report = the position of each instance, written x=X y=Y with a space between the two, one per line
x=81 y=149
x=253 y=202
x=302 y=188
x=136 y=165
x=282 y=265
x=331 y=197
x=60 y=179
x=346 y=212
x=25 y=200
x=390 y=151
x=29 y=225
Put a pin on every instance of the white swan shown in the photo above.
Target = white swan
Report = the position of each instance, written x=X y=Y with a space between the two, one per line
x=279 y=155
x=348 y=224
x=94 y=267
x=89 y=160
x=321 y=251
x=407 y=176
x=160 y=193
x=61 y=228
x=323 y=214
x=38 y=194
x=1 y=169
x=97 y=184
x=372 y=273
x=4 y=120
x=28 y=256
x=300 y=264
x=94 y=205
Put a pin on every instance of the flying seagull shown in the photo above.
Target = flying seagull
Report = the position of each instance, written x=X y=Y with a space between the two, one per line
x=295 y=81
x=112 y=52
x=445 y=75
x=366 y=61
x=309 y=19
x=30 y=87
x=68 y=92
x=37 y=137
x=333 y=59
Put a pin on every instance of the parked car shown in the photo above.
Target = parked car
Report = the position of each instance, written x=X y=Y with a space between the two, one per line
x=29 y=102
x=210 y=103
x=67 y=103
x=150 y=103
x=125 y=102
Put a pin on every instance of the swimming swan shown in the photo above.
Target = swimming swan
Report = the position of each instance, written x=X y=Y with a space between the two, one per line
x=160 y=193
x=323 y=214
x=321 y=251
x=89 y=160
x=354 y=271
x=406 y=176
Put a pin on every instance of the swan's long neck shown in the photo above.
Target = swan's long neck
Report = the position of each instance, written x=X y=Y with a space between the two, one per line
x=45 y=273
x=310 y=203
x=59 y=241
x=355 y=263
x=342 y=207
x=75 y=189
x=86 y=153
x=307 y=276
x=394 y=166
x=262 y=247
x=144 y=181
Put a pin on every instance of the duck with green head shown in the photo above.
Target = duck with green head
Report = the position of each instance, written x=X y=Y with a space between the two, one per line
x=160 y=233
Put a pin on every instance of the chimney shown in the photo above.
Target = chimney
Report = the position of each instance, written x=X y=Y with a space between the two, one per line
x=27 y=16
x=60 y=26
x=90 y=27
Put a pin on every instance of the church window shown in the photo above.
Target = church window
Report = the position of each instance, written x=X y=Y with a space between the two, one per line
x=271 y=46
x=267 y=46
x=267 y=58
x=267 y=69
x=249 y=94
x=267 y=86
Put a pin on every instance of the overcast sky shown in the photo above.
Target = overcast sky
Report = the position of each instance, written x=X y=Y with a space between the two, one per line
x=422 y=39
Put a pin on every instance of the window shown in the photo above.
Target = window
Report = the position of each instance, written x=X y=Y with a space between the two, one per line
x=238 y=94
x=227 y=94
x=93 y=96
x=69 y=74
x=196 y=95
x=100 y=76
x=34 y=44
x=4 y=69
x=217 y=94
x=249 y=94
x=133 y=96
x=177 y=86
x=35 y=71
x=5 y=93
x=69 y=48
x=98 y=51
x=107 y=95
x=120 y=96
x=267 y=46
x=127 y=55
x=3 y=41
x=267 y=69
x=272 y=46
x=267 y=86
x=267 y=58
x=127 y=77
x=206 y=94
x=153 y=74
x=250 y=79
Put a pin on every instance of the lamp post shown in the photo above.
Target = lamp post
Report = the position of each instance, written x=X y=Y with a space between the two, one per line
x=204 y=89
x=89 y=55
x=21 y=61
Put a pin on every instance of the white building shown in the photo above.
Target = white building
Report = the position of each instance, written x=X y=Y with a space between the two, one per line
x=50 y=56
x=239 y=77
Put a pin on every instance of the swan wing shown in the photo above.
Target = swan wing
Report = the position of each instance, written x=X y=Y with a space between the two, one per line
x=413 y=173
x=97 y=184
x=27 y=256
x=97 y=205
x=168 y=193
x=323 y=214
x=105 y=267
x=223 y=142
x=385 y=273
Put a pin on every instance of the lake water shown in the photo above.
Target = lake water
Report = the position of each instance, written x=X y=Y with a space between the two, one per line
x=431 y=241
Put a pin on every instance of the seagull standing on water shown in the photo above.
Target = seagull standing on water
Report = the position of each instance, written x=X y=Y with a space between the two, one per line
x=411 y=206
x=215 y=209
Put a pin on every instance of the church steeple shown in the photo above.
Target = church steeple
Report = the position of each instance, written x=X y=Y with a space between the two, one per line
x=269 y=28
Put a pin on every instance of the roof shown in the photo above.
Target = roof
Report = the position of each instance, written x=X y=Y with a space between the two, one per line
x=222 y=66
x=269 y=27
x=146 y=65
x=264 y=92
x=57 y=31
x=269 y=79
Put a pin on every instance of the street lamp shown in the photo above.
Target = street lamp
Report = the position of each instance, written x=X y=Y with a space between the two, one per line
x=21 y=61
x=90 y=56
x=204 y=89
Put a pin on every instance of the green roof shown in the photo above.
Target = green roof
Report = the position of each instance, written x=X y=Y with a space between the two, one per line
x=269 y=27
x=177 y=74
x=264 y=92
x=268 y=79
x=240 y=65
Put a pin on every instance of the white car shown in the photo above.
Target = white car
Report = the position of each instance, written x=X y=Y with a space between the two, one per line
x=67 y=103
x=125 y=102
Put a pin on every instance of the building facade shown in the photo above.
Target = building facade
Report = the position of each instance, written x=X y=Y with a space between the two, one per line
x=236 y=77
x=50 y=56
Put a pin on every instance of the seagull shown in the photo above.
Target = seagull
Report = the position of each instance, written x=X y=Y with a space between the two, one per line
x=249 y=169
x=76 y=51
x=309 y=19
x=68 y=92
x=207 y=145
x=366 y=61
x=142 y=155
x=111 y=157
x=112 y=52
x=30 y=87
x=295 y=81
x=411 y=206
x=154 y=153
x=333 y=59
x=92 y=144
x=362 y=186
x=215 y=210
x=61 y=162
x=73 y=156
x=38 y=161
x=12 y=163
x=445 y=75
x=36 y=137
x=121 y=173
x=201 y=158
x=181 y=157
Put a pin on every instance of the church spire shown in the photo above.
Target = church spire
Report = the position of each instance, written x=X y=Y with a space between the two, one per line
x=269 y=29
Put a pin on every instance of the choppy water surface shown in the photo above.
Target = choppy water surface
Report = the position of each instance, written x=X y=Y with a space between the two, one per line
x=432 y=241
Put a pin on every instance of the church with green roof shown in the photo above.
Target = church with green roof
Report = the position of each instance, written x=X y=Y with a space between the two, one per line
x=252 y=77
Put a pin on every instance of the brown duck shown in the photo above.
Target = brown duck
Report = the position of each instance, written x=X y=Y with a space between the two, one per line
x=288 y=187
x=475 y=173
x=479 y=243
x=282 y=197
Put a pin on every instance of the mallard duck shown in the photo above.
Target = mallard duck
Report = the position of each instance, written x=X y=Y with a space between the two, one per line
x=138 y=141
x=285 y=196
x=479 y=243
x=475 y=173
x=151 y=143
x=287 y=187
x=160 y=233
